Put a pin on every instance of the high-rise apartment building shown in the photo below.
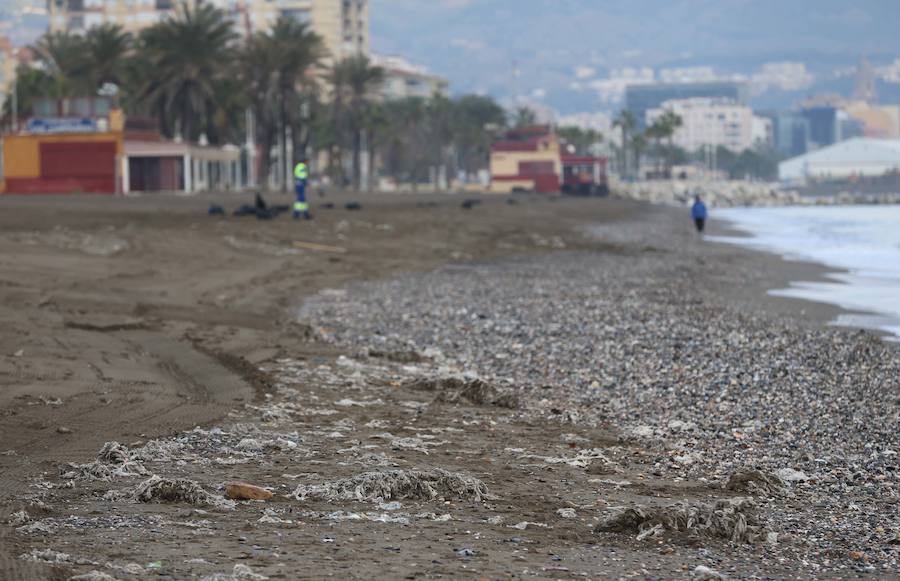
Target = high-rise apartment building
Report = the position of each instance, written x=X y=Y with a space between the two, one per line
x=641 y=98
x=343 y=24
x=709 y=122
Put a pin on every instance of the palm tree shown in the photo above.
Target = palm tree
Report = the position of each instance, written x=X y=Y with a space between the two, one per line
x=107 y=48
x=657 y=132
x=277 y=68
x=525 y=117
x=670 y=121
x=31 y=84
x=626 y=123
x=638 y=146
x=355 y=83
x=186 y=57
x=62 y=56
x=476 y=119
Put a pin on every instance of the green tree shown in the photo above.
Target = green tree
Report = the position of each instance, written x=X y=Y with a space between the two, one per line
x=355 y=84
x=524 y=117
x=582 y=140
x=638 y=145
x=62 y=55
x=31 y=84
x=187 y=57
x=107 y=49
x=476 y=121
x=277 y=69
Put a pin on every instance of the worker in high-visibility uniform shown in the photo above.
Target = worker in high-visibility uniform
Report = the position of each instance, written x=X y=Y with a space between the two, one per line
x=301 y=177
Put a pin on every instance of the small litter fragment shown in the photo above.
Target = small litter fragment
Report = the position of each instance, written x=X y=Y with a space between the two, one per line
x=244 y=491
x=46 y=556
x=239 y=573
x=19 y=518
x=466 y=552
x=525 y=524
x=704 y=573
x=93 y=576
x=791 y=475
x=567 y=513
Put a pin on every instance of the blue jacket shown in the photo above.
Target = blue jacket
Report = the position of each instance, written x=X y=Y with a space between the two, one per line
x=698 y=211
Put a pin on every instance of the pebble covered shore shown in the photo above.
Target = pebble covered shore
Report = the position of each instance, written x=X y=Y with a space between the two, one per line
x=637 y=340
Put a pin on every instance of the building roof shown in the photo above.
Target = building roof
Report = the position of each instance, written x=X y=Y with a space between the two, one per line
x=862 y=156
x=858 y=150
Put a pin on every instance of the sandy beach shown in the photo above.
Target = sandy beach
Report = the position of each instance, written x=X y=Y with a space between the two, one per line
x=530 y=388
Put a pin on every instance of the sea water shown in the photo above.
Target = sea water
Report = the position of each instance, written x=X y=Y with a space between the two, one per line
x=862 y=243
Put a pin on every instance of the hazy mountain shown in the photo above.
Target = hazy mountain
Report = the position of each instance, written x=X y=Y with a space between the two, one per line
x=479 y=43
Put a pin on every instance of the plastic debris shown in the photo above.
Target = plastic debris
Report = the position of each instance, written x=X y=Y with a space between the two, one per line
x=383 y=486
x=735 y=519
x=755 y=482
x=157 y=489
x=93 y=576
x=240 y=572
x=464 y=390
x=704 y=573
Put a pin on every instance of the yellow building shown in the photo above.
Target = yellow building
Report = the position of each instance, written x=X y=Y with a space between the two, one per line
x=528 y=159
x=343 y=24
x=7 y=68
x=879 y=121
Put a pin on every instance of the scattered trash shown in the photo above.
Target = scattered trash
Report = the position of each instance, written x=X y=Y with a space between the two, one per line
x=319 y=247
x=525 y=524
x=466 y=552
x=353 y=206
x=389 y=485
x=18 y=519
x=567 y=513
x=704 y=573
x=239 y=573
x=734 y=519
x=244 y=491
x=791 y=475
x=157 y=489
x=46 y=556
x=113 y=460
x=93 y=576
x=755 y=482
x=457 y=389
x=470 y=203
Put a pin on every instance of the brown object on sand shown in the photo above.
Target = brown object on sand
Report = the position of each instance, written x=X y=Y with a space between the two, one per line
x=243 y=491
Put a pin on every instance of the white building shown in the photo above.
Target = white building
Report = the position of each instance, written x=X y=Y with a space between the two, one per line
x=763 y=132
x=854 y=157
x=403 y=79
x=712 y=122
x=342 y=24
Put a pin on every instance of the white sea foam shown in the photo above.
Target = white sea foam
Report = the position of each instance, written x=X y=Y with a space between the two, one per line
x=862 y=242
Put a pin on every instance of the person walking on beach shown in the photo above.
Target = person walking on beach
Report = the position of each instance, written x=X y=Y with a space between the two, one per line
x=301 y=177
x=699 y=214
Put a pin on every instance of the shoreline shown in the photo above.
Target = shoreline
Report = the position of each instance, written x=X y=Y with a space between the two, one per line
x=799 y=271
x=617 y=371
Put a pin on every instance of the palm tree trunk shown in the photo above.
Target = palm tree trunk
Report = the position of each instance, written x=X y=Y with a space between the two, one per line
x=357 y=159
x=282 y=128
